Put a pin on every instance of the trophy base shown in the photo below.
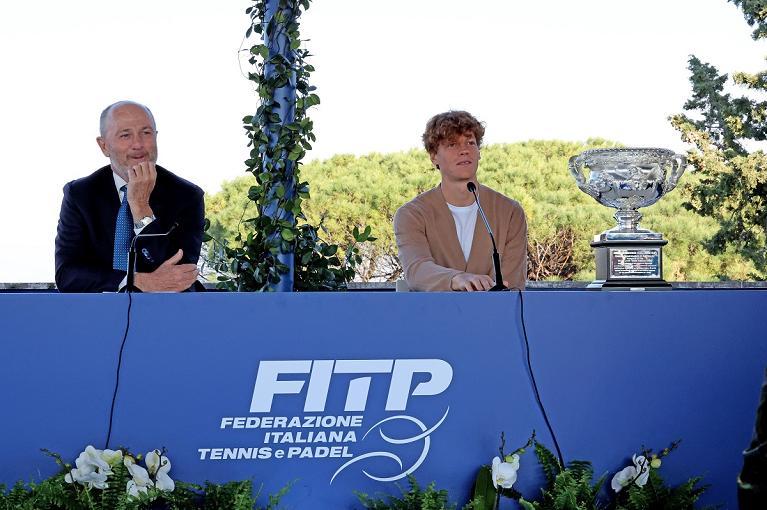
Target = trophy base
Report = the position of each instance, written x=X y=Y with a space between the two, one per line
x=629 y=265
x=632 y=234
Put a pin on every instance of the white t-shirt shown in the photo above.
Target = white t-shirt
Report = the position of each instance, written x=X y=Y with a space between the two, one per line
x=465 y=220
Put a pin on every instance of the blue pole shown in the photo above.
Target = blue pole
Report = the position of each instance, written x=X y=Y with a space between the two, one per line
x=278 y=44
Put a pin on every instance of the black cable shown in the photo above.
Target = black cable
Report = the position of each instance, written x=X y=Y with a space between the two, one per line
x=535 y=385
x=119 y=366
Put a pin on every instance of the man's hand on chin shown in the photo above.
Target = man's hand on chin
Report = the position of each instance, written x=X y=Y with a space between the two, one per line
x=141 y=181
x=169 y=277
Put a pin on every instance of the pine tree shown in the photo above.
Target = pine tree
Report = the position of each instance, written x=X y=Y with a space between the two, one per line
x=733 y=187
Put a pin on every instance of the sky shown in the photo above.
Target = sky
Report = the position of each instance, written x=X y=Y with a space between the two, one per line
x=554 y=69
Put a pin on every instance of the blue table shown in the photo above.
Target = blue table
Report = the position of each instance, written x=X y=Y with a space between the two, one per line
x=344 y=391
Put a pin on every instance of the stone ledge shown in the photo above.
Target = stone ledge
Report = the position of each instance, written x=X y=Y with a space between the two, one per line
x=390 y=286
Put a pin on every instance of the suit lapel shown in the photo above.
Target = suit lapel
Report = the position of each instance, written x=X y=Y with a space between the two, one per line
x=103 y=202
x=108 y=201
x=159 y=198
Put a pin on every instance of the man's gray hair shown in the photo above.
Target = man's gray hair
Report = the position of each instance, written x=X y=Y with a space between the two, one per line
x=109 y=109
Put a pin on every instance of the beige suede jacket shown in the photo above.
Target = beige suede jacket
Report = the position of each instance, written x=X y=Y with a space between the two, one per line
x=428 y=245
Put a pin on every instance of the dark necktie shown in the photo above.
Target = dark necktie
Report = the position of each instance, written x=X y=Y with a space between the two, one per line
x=123 y=233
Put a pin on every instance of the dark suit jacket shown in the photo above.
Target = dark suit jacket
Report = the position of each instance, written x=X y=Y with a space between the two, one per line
x=86 y=229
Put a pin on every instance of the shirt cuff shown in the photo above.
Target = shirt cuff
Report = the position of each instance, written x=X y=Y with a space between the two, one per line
x=137 y=231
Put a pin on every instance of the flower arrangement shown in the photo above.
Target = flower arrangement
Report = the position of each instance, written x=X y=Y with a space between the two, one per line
x=638 y=486
x=94 y=467
x=498 y=479
x=117 y=479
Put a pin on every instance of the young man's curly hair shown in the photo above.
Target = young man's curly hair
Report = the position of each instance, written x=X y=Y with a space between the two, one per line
x=448 y=125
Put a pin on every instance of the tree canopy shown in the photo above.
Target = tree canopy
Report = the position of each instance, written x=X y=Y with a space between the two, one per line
x=732 y=188
x=348 y=191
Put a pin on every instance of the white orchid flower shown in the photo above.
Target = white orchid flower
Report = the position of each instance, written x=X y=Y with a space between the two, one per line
x=90 y=460
x=156 y=461
x=139 y=474
x=140 y=482
x=638 y=474
x=513 y=460
x=505 y=473
x=73 y=476
x=90 y=478
x=164 y=482
x=133 y=489
x=623 y=478
x=81 y=471
x=159 y=466
x=112 y=457
x=90 y=469
x=642 y=466
x=97 y=481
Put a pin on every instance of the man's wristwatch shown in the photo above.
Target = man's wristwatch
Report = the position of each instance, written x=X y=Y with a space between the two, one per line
x=143 y=222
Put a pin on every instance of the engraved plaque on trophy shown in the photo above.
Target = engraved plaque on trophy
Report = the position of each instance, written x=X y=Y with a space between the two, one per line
x=627 y=256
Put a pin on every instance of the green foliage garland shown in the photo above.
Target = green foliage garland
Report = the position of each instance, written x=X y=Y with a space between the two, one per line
x=277 y=148
x=54 y=493
x=415 y=498
x=573 y=488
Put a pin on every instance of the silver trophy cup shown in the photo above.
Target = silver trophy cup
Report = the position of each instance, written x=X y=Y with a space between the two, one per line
x=627 y=256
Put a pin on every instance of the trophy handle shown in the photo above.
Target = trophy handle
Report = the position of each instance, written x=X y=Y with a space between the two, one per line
x=678 y=166
x=575 y=164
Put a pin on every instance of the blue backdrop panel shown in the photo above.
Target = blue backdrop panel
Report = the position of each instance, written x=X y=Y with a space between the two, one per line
x=367 y=387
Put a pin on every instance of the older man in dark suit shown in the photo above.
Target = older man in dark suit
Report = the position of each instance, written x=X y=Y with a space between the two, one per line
x=103 y=212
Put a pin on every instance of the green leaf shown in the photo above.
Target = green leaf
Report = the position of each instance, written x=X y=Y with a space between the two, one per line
x=484 y=489
x=261 y=50
x=295 y=154
x=287 y=234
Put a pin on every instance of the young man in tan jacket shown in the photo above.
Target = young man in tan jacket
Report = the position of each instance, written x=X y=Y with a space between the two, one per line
x=442 y=245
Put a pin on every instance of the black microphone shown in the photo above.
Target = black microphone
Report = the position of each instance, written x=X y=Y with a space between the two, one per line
x=132 y=255
x=496 y=258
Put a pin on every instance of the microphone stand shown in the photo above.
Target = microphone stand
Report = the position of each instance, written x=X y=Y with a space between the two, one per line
x=496 y=258
x=132 y=256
